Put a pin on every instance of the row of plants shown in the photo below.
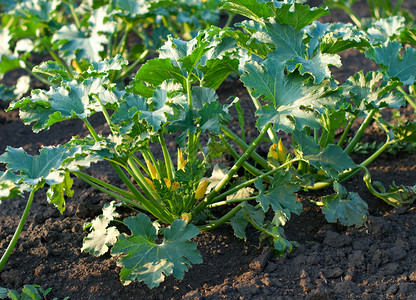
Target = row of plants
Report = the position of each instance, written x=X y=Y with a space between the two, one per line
x=282 y=55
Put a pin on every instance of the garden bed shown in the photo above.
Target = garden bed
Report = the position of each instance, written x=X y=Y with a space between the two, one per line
x=376 y=261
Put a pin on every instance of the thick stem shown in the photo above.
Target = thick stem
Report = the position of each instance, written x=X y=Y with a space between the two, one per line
x=214 y=224
x=110 y=192
x=260 y=160
x=360 y=131
x=168 y=159
x=346 y=131
x=19 y=229
x=192 y=149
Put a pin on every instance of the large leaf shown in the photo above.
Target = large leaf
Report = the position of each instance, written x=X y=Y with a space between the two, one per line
x=142 y=259
x=347 y=208
x=156 y=71
x=383 y=30
x=42 y=10
x=77 y=44
x=132 y=8
x=294 y=103
x=371 y=91
x=70 y=100
x=35 y=168
x=398 y=64
x=8 y=61
x=296 y=15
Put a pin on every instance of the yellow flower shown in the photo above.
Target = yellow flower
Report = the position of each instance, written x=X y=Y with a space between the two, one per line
x=272 y=152
x=167 y=182
x=181 y=161
x=281 y=151
x=187 y=217
x=150 y=182
x=152 y=170
x=175 y=186
x=201 y=189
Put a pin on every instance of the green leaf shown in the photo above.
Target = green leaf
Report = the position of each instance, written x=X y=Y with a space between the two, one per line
x=132 y=8
x=394 y=61
x=371 y=91
x=70 y=100
x=383 y=30
x=142 y=259
x=54 y=70
x=42 y=10
x=101 y=236
x=239 y=222
x=338 y=37
x=296 y=15
x=331 y=159
x=56 y=193
x=405 y=133
x=8 y=61
x=76 y=44
x=10 y=187
x=156 y=71
x=347 y=208
x=317 y=66
x=281 y=197
x=35 y=168
x=104 y=67
x=294 y=103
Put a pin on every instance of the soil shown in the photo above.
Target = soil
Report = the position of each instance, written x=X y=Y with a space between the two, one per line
x=376 y=261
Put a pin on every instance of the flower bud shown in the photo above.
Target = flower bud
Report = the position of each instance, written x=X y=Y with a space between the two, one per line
x=181 y=161
x=167 y=182
x=201 y=189
x=152 y=170
x=175 y=186
x=281 y=152
x=187 y=217
x=150 y=182
x=273 y=152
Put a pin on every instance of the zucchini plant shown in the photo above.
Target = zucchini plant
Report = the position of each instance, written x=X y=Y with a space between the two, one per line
x=282 y=54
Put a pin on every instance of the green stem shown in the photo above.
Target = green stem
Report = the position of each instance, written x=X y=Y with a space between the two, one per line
x=407 y=97
x=251 y=169
x=132 y=66
x=360 y=131
x=74 y=15
x=229 y=20
x=346 y=131
x=19 y=229
x=260 y=160
x=226 y=202
x=111 y=193
x=152 y=206
x=38 y=77
x=168 y=159
x=91 y=130
x=214 y=224
x=208 y=200
x=57 y=58
x=123 y=42
x=104 y=184
x=192 y=149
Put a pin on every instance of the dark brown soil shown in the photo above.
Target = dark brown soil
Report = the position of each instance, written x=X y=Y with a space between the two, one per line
x=377 y=261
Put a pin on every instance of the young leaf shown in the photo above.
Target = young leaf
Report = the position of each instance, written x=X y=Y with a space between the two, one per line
x=383 y=30
x=144 y=260
x=347 y=208
x=56 y=193
x=397 y=65
x=281 y=197
x=9 y=186
x=101 y=236
x=405 y=133
x=239 y=222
